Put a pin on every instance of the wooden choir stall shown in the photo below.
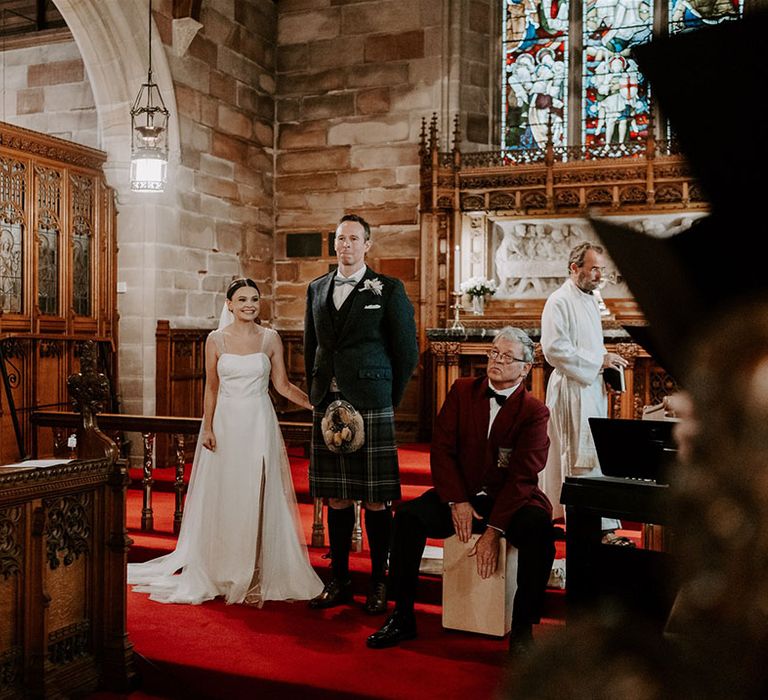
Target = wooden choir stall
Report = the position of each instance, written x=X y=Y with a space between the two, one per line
x=58 y=261
x=63 y=553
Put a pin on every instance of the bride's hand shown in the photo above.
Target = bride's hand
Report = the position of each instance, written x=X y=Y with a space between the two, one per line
x=209 y=440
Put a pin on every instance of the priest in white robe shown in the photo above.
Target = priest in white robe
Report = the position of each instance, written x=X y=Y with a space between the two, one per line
x=572 y=342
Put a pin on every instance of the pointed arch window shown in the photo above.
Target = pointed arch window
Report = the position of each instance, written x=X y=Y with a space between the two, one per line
x=13 y=189
x=568 y=75
x=48 y=188
x=535 y=73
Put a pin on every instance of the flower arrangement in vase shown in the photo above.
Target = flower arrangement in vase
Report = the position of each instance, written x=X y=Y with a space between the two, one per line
x=477 y=288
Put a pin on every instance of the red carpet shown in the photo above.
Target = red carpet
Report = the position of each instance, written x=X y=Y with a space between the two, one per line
x=285 y=650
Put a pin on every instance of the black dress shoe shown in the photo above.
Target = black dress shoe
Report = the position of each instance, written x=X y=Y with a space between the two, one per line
x=521 y=643
x=398 y=628
x=335 y=593
x=376 y=602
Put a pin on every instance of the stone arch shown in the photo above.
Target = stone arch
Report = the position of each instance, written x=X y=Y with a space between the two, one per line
x=112 y=38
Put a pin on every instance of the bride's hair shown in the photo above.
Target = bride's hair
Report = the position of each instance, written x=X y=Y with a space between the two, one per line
x=236 y=284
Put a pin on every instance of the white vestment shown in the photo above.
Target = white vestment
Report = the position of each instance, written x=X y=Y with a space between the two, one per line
x=572 y=342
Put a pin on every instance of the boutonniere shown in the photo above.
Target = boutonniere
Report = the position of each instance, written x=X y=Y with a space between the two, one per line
x=374 y=286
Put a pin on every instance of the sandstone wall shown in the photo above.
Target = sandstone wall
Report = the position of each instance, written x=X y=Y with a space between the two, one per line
x=179 y=250
x=354 y=80
x=46 y=89
x=224 y=85
x=289 y=114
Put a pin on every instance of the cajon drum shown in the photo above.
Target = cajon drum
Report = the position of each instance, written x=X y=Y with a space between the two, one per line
x=473 y=604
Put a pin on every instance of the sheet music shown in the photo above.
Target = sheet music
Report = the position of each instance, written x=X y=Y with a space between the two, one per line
x=36 y=463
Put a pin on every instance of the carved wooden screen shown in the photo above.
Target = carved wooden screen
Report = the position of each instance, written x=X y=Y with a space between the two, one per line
x=57 y=271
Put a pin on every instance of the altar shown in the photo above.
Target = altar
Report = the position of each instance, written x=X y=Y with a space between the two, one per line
x=452 y=354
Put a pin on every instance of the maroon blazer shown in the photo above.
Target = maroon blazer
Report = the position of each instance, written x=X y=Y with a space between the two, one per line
x=505 y=464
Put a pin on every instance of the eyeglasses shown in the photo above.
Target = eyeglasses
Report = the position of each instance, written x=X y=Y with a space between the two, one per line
x=504 y=358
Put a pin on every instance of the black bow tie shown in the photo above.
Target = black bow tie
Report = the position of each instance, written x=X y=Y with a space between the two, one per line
x=491 y=394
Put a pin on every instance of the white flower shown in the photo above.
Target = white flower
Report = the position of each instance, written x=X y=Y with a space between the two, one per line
x=478 y=286
x=374 y=286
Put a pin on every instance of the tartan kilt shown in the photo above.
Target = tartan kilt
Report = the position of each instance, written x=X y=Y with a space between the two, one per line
x=371 y=473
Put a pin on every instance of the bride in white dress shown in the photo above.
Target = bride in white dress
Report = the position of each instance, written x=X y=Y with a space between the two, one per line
x=241 y=536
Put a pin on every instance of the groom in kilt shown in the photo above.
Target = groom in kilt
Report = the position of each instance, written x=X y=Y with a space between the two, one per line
x=359 y=346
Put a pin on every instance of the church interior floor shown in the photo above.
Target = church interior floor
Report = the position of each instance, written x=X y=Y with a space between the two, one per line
x=283 y=649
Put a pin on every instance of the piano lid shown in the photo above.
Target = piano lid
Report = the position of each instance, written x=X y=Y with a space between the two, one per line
x=634 y=449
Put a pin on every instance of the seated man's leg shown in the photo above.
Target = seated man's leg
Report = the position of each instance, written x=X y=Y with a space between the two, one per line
x=531 y=532
x=414 y=522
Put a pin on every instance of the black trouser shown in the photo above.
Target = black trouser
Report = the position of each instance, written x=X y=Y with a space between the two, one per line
x=530 y=531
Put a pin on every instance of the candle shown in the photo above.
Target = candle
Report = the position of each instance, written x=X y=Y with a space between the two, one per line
x=457 y=268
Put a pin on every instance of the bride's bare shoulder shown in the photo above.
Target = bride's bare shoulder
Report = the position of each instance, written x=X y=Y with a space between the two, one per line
x=269 y=338
x=216 y=337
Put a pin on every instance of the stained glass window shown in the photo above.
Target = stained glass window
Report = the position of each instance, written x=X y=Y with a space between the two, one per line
x=547 y=57
x=12 y=204
x=685 y=15
x=82 y=274
x=615 y=93
x=535 y=75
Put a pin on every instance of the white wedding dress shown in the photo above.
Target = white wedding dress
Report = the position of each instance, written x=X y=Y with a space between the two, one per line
x=240 y=537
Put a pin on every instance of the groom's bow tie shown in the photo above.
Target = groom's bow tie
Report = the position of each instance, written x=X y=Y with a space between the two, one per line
x=491 y=394
x=339 y=281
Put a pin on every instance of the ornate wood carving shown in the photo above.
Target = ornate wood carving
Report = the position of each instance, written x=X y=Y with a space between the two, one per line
x=13 y=190
x=19 y=139
x=10 y=668
x=11 y=557
x=67 y=529
x=69 y=643
x=71 y=649
x=38 y=482
x=543 y=186
x=90 y=388
x=51 y=348
x=58 y=238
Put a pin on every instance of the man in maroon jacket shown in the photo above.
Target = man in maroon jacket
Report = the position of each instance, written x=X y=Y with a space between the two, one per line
x=489 y=445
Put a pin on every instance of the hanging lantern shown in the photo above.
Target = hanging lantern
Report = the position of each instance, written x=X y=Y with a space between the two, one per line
x=149 y=133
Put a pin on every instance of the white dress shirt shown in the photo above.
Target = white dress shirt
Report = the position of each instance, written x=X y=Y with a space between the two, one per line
x=495 y=405
x=342 y=291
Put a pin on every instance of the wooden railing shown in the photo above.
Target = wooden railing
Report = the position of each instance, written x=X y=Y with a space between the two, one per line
x=179 y=430
x=65 y=423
